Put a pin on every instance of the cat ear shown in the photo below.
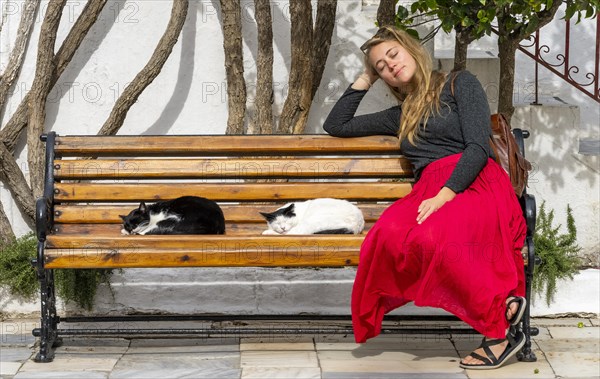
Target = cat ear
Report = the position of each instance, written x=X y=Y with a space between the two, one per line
x=123 y=217
x=267 y=216
x=289 y=211
x=143 y=207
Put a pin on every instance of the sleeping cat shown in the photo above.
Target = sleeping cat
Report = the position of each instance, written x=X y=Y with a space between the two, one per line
x=317 y=216
x=184 y=215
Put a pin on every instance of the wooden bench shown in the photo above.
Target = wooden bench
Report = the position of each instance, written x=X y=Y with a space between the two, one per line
x=91 y=180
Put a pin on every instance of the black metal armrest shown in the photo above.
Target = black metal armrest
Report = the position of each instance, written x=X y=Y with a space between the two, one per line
x=43 y=218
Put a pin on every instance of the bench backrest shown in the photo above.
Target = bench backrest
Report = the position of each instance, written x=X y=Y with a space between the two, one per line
x=96 y=179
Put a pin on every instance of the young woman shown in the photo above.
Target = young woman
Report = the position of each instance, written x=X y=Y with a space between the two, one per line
x=455 y=241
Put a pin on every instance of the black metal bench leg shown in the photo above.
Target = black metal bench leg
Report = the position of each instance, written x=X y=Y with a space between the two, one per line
x=48 y=332
x=526 y=354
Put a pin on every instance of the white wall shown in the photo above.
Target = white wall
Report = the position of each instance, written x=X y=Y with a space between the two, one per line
x=189 y=97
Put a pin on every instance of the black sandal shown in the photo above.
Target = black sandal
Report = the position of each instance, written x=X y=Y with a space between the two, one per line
x=516 y=318
x=515 y=343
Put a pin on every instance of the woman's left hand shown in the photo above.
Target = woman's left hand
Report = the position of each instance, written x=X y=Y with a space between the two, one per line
x=427 y=207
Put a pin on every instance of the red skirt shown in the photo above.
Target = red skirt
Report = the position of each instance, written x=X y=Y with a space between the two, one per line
x=465 y=258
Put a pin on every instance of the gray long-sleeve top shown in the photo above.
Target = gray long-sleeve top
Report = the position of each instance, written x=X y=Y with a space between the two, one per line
x=462 y=126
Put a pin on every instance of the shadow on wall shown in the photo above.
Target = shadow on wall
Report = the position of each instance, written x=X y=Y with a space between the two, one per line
x=174 y=105
x=553 y=147
x=93 y=39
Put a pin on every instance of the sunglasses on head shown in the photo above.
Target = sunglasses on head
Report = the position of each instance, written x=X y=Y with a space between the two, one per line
x=384 y=33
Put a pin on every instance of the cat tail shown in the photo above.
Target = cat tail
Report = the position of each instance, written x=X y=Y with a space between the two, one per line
x=335 y=231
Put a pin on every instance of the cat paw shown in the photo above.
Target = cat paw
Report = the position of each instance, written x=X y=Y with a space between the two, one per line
x=269 y=232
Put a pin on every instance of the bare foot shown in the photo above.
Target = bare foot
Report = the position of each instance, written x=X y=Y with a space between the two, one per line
x=512 y=310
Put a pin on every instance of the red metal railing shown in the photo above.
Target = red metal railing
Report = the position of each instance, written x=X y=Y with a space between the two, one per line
x=563 y=69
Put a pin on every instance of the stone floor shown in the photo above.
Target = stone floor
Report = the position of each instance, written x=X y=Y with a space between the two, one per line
x=566 y=348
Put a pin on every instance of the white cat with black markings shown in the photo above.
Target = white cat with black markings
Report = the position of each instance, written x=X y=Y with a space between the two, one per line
x=317 y=216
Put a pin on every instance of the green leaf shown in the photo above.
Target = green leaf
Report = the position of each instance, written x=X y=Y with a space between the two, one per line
x=431 y=4
x=413 y=33
x=402 y=13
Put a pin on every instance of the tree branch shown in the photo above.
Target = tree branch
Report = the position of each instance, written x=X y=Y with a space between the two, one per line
x=6 y=233
x=386 y=13
x=11 y=174
x=297 y=104
x=264 y=70
x=234 y=65
x=149 y=72
x=12 y=130
x=326 y=10
x=42 y=84
x=17 y=55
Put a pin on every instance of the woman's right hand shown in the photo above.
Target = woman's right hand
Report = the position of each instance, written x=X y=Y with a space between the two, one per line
x=371 y=75
x=365 y=80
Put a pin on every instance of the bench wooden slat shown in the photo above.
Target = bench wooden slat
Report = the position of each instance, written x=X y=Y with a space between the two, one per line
x=232 y=168
x=239 y=228
x=223 y=145
x=200 y=242
x=91 y=192
x=101 y=214
x=149 y=258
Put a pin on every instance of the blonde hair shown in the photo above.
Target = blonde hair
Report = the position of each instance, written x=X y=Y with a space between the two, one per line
x=421 y=97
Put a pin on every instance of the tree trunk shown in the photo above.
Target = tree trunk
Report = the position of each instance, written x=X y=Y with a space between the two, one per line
x=506 y=52
x=12 y=130
x=11 y=174
x=386 y=13
x=149 y=72
x=39 y=93
x=263 y=120
x=462 y=42
x=322 y=40
x=15 y=60
x=6 y=233
x=297 y=104
x=508 y=42
x=234 y=65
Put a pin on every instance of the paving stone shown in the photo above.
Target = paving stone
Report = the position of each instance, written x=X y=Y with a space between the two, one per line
x=573 y=357
x=595 y=321
x=383 y=366
x=393 y=356
x=9 y=368
x=78 y=362
x=15 y=354
x=292 y=338
x=168 y=362
x=277 y=346
x=389 y=344
x=591 y=332
x=62 y=375
x=160 y=342
x=202 y=347
x=544 y=333
x=567 y=321
x=279 y=359
x=281 y=373
x=391 y=375
x=196 y=373
x=93 y=346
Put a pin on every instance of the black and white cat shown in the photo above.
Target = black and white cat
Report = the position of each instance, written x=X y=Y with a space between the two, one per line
x=317 y=216
x=184 y=215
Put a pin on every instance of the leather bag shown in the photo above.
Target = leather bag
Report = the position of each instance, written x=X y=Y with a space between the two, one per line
x=505 y=148
x=507 y=153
